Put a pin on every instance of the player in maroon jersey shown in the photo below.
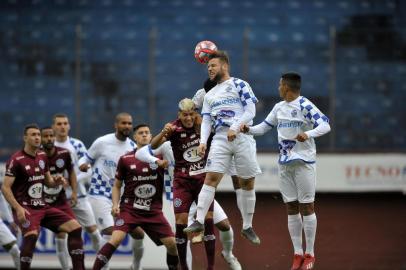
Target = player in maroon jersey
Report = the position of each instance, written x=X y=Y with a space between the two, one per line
x=140 y=204
x=26 y=173
x=183 y=133
x=60 y=163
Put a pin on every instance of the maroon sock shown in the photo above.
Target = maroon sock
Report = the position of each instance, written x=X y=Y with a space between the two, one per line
x=103 y=256
x=172 y=261
x=209 y=242
x=181 y=244
x=27 y=250
x=75 y=248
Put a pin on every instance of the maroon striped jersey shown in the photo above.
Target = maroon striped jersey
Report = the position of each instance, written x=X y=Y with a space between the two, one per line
x=29 y=172
x=184 y=142
x=143 y=184
x=60 y=163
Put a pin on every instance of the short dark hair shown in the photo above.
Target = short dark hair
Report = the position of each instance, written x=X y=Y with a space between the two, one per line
x=29 y=126
x=208 y=85
x=46 y=127
x=140 y=126
x=59 y=115
x=293 y=80
x=122 y=114
x=222 y=55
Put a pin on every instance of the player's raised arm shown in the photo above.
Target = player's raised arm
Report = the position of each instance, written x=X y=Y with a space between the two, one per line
x=162 y=136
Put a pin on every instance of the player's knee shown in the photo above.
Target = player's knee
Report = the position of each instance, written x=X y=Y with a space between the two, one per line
x=292 y=208
x=306 y=208
x=117 y=237
x=137 y=233
x=61 y=235
x=236 y=182
x=69 y=226
x=170 y=245
x=247 y=184
x=181 y=218
x=223 y=225
x=8 y=246
x=91 y=229
x=108 y=230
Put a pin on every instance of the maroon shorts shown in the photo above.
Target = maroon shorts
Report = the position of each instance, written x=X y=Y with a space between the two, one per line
x=64 y=206
x=185 y=192
x=48 y=217
x=154 y=224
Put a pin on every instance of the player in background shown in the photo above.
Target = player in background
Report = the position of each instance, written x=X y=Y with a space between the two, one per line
x=60 y=163
x=298 y=122
x=141 y=203
x=198 y=100
x=82 y=209
x=26 y=173
x=103 y=156
x=228 y=105
x=7 y=239
x=188 y=119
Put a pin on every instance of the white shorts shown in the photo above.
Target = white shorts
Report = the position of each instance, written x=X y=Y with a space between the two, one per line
x=231 y=171
x=297 y=182
x=84 y=213
x=102 y=211
x=218 y=213
x=243 y=149
x=6 y=236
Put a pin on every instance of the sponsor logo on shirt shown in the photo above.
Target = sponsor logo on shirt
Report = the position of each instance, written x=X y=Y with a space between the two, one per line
x=228 y=101
x=41 y=164
x=293 y=113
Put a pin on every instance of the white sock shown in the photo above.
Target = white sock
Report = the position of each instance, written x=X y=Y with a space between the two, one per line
x=105 y=239
x=138 y=252
x=189 y=255
x=62 y=253
x=310 y=226
x=206 y=197
x=238 y=195
x=248 y=200
x=295 y=227
x=227 y=240
x=15 y=254
x=97 y=240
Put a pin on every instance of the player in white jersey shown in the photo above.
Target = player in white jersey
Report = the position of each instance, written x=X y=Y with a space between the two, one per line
x=103 y=156
x=7 y=240
x=198 y=99
x=228 y=105
x=82 y=209
x=298 y=122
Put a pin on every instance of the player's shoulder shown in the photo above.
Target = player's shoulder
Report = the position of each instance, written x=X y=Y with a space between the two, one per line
x=107 y=137
x=128 y=155
x=279 y=105
x=41 y=154
x=62 y=151
x=239 y=83
x=305 y=103
x=17 y=156
x=199 y=93
x=76 y=142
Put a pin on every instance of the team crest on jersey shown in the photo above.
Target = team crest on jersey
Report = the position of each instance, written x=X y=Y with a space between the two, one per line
x=177 y=202
x=183 y=135
x=120 y=222
x=26 y=224
x=228 y=89
x=60 y=163
x=41 y=164
x=294 y=113
x=153 y=166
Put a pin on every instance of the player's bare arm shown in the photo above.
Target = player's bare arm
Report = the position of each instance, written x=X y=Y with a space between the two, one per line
x=161 y=137
x=54 y=181
x=8 y=195
x=162 y=163
x=115 y=197
x=74 y=186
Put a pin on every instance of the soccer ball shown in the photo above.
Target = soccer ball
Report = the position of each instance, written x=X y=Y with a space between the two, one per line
x=203 y=49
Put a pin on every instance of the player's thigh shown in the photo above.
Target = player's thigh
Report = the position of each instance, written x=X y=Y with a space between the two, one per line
x=287 y=183
x=102 y=211
x=218 y=213
x=245 y=156
x=220 y=155
x=305 y=176
x=117 y=237
x=183 y=195
x=231 y=169
x=6 y=236
x=84 y=213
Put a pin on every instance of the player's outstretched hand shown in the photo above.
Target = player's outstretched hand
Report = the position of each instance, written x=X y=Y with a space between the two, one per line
x=115 y=211
x=162 y=163
x=84 y=167
x=301 y=137
x=201 y=149
x=168 y=129
x=231 y=135
x=244 y=128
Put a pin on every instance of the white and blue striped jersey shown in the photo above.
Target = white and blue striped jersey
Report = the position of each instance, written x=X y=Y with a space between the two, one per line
x=226 y=103
x=77 y=150
x=292 y=118
x=198 y=98
x=104 y=155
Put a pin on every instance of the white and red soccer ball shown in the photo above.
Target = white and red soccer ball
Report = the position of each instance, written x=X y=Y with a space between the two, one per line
x=203 y=50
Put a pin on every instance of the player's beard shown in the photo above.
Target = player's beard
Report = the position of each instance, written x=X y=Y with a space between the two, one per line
x=48 y=146
x=124 y=133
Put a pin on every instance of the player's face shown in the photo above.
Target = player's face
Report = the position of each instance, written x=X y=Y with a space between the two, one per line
x=143 y=136
x=47 y=138
x=61 y=126
x=282 y=89
x=216 y=69
x=124 y=126
x=33 y=138
x=187 y=118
